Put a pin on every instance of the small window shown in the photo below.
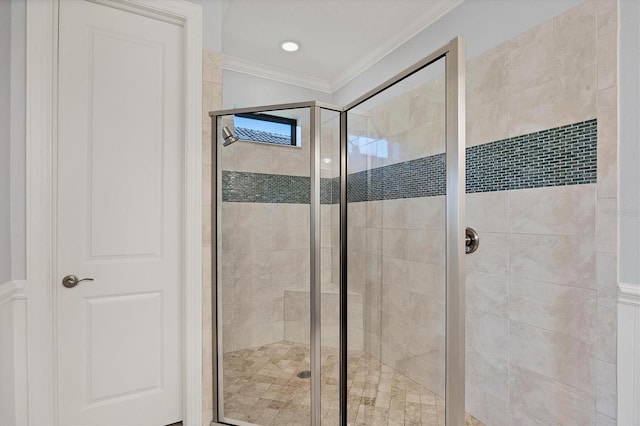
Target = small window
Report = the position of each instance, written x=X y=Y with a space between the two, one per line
x=266 y=128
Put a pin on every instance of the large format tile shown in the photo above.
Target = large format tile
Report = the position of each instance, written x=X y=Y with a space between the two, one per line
x=549 y=400
x=492 y=255
x=488 y=292
x=562 y=210
x=568 y=260
x=607 y=334
x=574 y=38
x=488 y=373
x=607 y=279
x=560 y=101
x=486 y=407
x=488 y=211
x=607 y=170
x=553 y=355
x=488 y=333
x=607 y=60
x=563 y=309
x=607 y=225
x=606 y=401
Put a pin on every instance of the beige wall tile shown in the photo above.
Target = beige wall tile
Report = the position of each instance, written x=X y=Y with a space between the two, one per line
x=488 y=211
x=486 y=75
x=607 y=334
x=574 y=38
x=485 y=407
x=606 y=279
x=607 y=16
x=565 y=260
x=487 y=122
x=607 y=170
x=606 y=398
x=607 y=225
x=488 y=333
x=549 y=400
x=554 y=355
x=492 y=255
x=602 y=420
x=564 y=100
x=532 y=62
x=519 y=417
x=607 y=60
x=561 y=210
x=488 y=292
x=488 y=373
x=563 y=309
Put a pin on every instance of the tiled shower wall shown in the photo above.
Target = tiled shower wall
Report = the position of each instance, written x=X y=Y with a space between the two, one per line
x=211 y=100
x=541 y=289
x=265 y=243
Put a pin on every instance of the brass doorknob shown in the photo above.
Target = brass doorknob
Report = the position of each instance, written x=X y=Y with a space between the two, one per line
x=71 y=281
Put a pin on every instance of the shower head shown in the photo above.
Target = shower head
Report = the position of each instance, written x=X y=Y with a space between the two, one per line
x=229 y=138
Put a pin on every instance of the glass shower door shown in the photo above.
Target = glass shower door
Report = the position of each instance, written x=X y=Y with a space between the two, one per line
x=277 y=265
x=263 y=266
x=404 y=249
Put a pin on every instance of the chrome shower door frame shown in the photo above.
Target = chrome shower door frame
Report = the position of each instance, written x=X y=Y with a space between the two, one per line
x=314 y=247
x=453 y=53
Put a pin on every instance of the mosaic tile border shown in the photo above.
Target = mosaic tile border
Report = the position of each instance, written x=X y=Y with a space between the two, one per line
x=565 y=155
x=245 y=187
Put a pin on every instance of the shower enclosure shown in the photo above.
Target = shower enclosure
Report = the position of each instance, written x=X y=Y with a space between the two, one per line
x=339 y=256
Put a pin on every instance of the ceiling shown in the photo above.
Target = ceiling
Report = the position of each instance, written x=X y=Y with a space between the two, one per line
x=338 y=38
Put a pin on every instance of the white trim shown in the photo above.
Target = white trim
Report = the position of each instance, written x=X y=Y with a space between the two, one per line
x=246 y=66
x=629 y=294
x=40 y=149
x=399 y=36
x=12 y=290
x=629 y=355
x=13 y=344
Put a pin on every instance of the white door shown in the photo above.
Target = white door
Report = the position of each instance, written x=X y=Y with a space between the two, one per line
x=120 y=213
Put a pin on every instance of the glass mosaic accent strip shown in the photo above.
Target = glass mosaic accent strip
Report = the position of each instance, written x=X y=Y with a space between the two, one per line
x=424 y=177
x=564 y=155
x=245 y=187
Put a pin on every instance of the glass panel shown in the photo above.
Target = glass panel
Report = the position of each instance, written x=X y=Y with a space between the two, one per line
x=263 y=277
x=396 y=260
x=330 y=260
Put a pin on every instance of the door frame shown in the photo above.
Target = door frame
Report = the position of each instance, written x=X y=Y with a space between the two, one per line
x=41 y=149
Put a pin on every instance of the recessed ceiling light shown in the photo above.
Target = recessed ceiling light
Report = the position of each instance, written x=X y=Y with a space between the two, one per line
x=290 y=46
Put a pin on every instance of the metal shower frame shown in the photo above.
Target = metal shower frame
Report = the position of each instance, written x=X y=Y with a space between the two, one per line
x=453 y=53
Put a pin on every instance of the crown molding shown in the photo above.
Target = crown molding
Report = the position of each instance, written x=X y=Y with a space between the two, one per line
x=401 y=35
x=256 y=69
x=629 y=294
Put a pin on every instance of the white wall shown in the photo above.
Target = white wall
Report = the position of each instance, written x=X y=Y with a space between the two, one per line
x=212 y=11
x=12 y=139
x=5 y=134
x=18 y=138
x=629 y=216
x=629 y=155
x=243 y=90
x=482 y=23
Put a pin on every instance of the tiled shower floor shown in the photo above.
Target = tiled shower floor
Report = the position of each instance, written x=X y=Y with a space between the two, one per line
x=261 y=386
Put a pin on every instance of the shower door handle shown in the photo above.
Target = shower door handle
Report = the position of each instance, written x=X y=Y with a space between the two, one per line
x=471 y=240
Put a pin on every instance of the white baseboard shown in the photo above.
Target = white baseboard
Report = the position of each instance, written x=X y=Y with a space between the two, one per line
x=13 y=353
x=629 y=355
